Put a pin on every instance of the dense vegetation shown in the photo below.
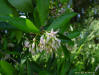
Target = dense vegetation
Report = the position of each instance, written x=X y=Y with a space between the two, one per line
x=49 y=37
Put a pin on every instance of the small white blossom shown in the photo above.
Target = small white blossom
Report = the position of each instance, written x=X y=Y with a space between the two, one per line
x=52 y=33
x=32 y=47
x=26 y=43
x=49 y=41
x=42 y=41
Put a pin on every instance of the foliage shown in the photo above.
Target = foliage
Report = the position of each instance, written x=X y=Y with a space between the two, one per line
x=49 y=37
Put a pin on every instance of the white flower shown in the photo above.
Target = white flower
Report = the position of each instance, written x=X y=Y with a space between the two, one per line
x=26 y=43
x=42 y=41
x=33 y=45
x=58 y=41
x=52 y=33
x=49 y=41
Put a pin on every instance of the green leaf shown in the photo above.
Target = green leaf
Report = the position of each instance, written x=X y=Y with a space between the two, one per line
x=22 y=5
x=33 y=67
x=66 y=52
x=6 y=9
x=43 y=9
x=36 y=19
x=4 y=25
x=72 y=72
x=64 y=1
x=65 y=39
x=94 y=26
x=20 y=23
x=96 y=55
x=44 y=73
x=65 y=68
x=73 y=34
x=19 y=35
x=61 y=22
x=6 y=68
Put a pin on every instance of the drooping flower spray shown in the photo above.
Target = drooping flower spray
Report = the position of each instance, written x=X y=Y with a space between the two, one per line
x=48 y=42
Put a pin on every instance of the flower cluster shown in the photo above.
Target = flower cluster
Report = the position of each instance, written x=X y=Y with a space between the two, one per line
x=31 y=46
x=48 y=42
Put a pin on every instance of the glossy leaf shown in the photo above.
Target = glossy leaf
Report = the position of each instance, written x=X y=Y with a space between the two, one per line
x=61 y=21
x=6 y=68
x=20 y=23
x=22 y=5
x=6 y=9
x=43 y=9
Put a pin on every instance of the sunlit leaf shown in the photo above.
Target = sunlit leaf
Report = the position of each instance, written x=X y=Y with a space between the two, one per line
x=20 y=23
x=6 y=68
